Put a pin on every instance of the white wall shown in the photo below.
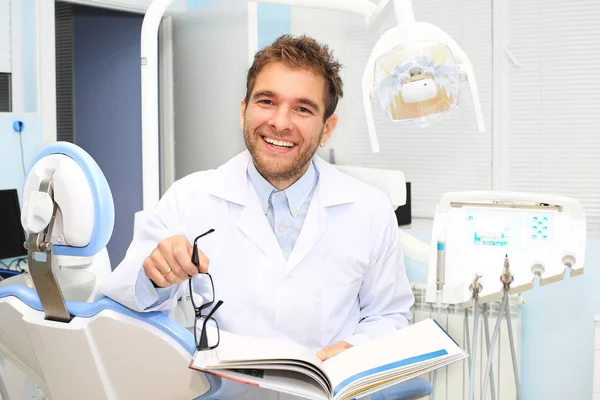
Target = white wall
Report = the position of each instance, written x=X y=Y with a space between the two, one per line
x=210 y=45
x=5 y=36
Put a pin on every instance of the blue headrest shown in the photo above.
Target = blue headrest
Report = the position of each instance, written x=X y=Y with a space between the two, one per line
x=104 y=208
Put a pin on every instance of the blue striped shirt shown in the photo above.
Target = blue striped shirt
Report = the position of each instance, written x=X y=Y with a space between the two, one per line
x=285 y=210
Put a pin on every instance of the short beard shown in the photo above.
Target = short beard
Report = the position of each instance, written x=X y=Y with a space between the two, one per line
x=281 y=173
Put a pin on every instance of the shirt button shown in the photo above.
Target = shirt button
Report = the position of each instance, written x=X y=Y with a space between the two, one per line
x=294 y=210
x=264 y=206
x=278 y=195
x=152 y=293
x=281 y=228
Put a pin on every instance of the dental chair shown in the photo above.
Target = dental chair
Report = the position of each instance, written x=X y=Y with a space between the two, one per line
x=85 y=350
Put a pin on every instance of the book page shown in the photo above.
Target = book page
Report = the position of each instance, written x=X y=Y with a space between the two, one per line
x=237 y=352
x=234 y=347
x=420 y=343
x=280 y=381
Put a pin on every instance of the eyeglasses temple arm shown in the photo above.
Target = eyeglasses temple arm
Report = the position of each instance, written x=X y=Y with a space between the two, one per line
x=195 y=248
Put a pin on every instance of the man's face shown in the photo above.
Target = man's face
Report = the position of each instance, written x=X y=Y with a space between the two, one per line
x=283 y=121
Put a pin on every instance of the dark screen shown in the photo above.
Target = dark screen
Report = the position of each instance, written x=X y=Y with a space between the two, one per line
x=12 y=235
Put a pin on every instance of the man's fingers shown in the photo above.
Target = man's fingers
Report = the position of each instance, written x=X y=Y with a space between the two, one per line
x=181 y=259
x=333 y=350
x=154 y=274
x=203 y=262
x=182 y=251
x=169 y=270
x=165 y=251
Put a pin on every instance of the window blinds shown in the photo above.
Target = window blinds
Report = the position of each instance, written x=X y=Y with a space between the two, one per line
x=553 y=89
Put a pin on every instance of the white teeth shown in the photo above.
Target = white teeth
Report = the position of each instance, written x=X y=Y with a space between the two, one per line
x=279 y=142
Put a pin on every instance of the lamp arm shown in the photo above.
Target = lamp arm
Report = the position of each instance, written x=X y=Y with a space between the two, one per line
x=405 y=18
x=475 y=95
x=150 y=103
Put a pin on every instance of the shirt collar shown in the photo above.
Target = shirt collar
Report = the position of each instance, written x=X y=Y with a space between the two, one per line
x=295 y=194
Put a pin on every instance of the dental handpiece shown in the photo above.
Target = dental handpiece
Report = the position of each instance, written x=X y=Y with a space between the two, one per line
x=441 y=258
x=506 y=278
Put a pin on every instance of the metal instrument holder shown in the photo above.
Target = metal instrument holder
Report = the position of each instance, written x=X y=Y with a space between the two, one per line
x=40 y=258
x=506 y=278
x=475 y=288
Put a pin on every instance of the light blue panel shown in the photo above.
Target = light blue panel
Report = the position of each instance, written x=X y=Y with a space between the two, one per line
x=558 y=334
x=557 y=329
x=273 y=21
x=29 y=58
x=197 y=3
x=11 y=173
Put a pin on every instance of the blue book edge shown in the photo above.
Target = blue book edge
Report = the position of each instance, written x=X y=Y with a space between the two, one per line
x=446 y=332
x=396 y=364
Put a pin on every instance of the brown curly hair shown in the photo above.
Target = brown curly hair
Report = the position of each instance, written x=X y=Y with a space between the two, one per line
x=301 y=52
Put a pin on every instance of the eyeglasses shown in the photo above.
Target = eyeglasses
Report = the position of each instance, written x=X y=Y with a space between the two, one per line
x=208 y=323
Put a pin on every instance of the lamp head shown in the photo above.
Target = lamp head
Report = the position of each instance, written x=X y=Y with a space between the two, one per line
x=417 y=82
x=416 y=72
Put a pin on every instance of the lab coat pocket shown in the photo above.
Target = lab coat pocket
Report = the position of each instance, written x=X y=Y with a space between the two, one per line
x=246 y=291
x=340 y=309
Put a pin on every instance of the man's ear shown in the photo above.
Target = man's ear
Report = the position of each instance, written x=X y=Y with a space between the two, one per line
x=242 y=113
x=329 y=127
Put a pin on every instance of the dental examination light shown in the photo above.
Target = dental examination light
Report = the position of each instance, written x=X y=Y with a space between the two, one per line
x=415 y=71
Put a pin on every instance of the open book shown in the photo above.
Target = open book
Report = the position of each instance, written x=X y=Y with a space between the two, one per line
x=359 y=371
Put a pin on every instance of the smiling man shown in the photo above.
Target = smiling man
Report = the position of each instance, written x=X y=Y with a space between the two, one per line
x=299 y=250
x=288 y=111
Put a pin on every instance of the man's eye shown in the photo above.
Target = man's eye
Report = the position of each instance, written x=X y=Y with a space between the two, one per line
x=304 y=110
x=267 y=102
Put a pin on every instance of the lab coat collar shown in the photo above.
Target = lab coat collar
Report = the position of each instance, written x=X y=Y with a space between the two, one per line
x=294 y=196
x=231 y=182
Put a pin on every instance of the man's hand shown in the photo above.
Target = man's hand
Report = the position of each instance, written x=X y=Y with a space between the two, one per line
x=332 y=350
x=171 y=262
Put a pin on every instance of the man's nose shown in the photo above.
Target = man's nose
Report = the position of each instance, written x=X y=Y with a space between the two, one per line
x=281 y=119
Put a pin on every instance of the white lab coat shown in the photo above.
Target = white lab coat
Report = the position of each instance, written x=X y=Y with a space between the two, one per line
x=344 y=280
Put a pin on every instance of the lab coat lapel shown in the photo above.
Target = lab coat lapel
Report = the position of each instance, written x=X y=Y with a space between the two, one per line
x=314 y=226
x=331 y=190
x=231 y=183
x=255 y=226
